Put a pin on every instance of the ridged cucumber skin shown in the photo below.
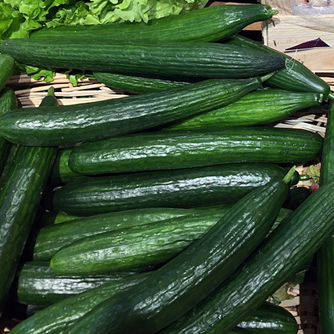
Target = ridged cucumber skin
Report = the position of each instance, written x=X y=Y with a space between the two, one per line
x=38 y=284
x=190 y=276
x=61 y=172
x=175 y=188
x=136 y=84
x=104 y=119
x=325 y=256
x=19 y=199
x=50 y=239
x=56 y=318
x=270 y=319
x=199 y=60
x=7 y=65
x=261 y=275
x=142 y=245
x=294 y=76
x=195 y=148
x=216 y=23
x=8 y=101
x=135 y=247
x=256 y=108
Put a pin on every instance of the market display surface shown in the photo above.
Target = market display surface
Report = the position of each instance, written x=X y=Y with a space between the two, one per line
x=175 y=206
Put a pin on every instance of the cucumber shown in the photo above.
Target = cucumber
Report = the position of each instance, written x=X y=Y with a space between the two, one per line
x=61 y=172
x=294 y=76
x=170 y=59
x=52 y=218
x=258 y=107
x=87 y=122
x=8 y=101
x=7 y=66
x=195 y=148
x=185 y=188
x=325 y=256
x=19 y=200
x=38 y=284
x=272 y=264
x=142 y=245
x=270 y=319
x=217 y=22
x=136 y=84
x=190 y=276
x=50 y=239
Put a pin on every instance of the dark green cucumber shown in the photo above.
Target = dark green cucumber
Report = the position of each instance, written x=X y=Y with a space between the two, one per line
x=135 y=84
x=257 y=107
x=7 y=65
x=38 y=284
x=175 y=188
x=190 y=276
x=195 y=148
x=199 y=60
x=135 y=247
x=104 y=119
x=216 y=22
x=50 y=239
x=61 y=172
x=294 y=76
x=19 y=199
x=325 y=256
x=270 y=319
x=8 y=101
x=274 y=262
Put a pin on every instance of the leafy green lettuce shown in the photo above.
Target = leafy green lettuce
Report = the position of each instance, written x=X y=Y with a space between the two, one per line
x=18 y=18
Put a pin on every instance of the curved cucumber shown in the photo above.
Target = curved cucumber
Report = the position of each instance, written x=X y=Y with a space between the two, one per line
x=104 y=119
x=199 y=60
x=294 y=76
x=255 y=108
x=216 y=22
x=19 y=199
x=195 y=148
x=50 y=239
x=175 y=188
x=300 y=237
x=190 y=276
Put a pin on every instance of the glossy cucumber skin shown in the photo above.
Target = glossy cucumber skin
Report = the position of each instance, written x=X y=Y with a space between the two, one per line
x=8 y=101
x=270 y=319
x=325 y=256
x=261 y=275
x=175 y=188
x=195 y=148
x=38 y=284
x=50 y=239
x=141 y=245
x=7 y=65
x=198 y=60
x=294 y=76
x=216 y=23
x=104 y=119
x=190 y=276
x=56 y=318
x=135 y=247
x=61 y=172
x=19 y=199
x=255 y=108
x=136 y=84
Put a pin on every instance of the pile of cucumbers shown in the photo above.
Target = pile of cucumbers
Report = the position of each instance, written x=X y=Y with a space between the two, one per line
x=169 y=210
